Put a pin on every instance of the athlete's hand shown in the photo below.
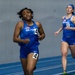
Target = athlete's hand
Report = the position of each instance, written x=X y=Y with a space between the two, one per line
x=26 y=41
x=68 y=27
x=56 y=33
x=40 y=37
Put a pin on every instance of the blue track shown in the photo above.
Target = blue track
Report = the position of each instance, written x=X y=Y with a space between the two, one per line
x=45 y=66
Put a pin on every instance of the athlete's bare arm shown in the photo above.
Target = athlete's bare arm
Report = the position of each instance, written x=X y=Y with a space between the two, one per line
x=59 y=30
x=41 y=31
x=17 y=30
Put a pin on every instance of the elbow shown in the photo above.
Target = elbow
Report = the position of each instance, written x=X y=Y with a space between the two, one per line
x=43 y=36
x=14 y=40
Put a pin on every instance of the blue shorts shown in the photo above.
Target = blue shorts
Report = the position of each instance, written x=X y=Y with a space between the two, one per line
x=24 y=51
x=69 y=40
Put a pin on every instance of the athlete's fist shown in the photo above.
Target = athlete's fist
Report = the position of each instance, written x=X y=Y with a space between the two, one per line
x=26 y=41
x=56 y=33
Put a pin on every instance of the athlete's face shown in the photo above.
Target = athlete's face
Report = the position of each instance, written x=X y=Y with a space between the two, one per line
x=26 y=15
x=69 y=9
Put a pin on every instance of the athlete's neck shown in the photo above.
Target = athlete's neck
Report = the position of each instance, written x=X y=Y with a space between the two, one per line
x=68 y=16
x=29 y=23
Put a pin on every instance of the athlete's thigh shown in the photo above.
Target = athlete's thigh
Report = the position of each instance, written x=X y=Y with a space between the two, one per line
x=72 y=49
x=64 y=47
x=32 y=60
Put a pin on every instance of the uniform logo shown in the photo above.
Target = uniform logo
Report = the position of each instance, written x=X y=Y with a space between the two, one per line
x=64 y=21
x=67 y=24
x=27 y=28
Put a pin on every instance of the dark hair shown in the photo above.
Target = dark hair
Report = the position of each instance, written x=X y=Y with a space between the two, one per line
x=20 y=12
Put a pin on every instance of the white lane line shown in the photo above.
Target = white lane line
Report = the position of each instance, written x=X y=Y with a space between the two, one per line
x=43 y=69
x=10 y=67
x=67 y=72
x=38 y=62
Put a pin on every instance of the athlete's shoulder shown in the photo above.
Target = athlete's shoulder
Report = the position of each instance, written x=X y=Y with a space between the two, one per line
x=20 y=24
x=73 y=18
x=38 y=24
x=63 y=17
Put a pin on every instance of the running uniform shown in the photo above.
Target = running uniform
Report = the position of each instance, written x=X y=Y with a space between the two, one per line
x=31 y=33
x=68 y=35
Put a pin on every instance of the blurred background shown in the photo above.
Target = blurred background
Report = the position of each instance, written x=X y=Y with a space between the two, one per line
x=48 y=12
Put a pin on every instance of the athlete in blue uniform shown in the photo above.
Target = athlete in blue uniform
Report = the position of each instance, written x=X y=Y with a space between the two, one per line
x=27 y=34
x=68 y=38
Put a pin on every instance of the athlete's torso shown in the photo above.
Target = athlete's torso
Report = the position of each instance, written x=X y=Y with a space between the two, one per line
x=31 y=33
x=68 y=22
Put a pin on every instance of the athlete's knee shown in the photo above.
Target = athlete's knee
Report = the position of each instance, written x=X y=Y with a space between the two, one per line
x=64 y=54
x=30 y=70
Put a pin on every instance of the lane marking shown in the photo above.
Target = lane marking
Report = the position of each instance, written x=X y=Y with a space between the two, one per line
x=43 y=69
x=37 y=62
x=67 y=72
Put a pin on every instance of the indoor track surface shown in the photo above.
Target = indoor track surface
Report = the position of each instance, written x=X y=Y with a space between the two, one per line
x=45 y=66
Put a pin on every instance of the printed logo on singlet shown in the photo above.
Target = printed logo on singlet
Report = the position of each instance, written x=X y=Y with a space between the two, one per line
x=67 y=24
x=27 y=28
x=64 y=21
x=34 y=30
